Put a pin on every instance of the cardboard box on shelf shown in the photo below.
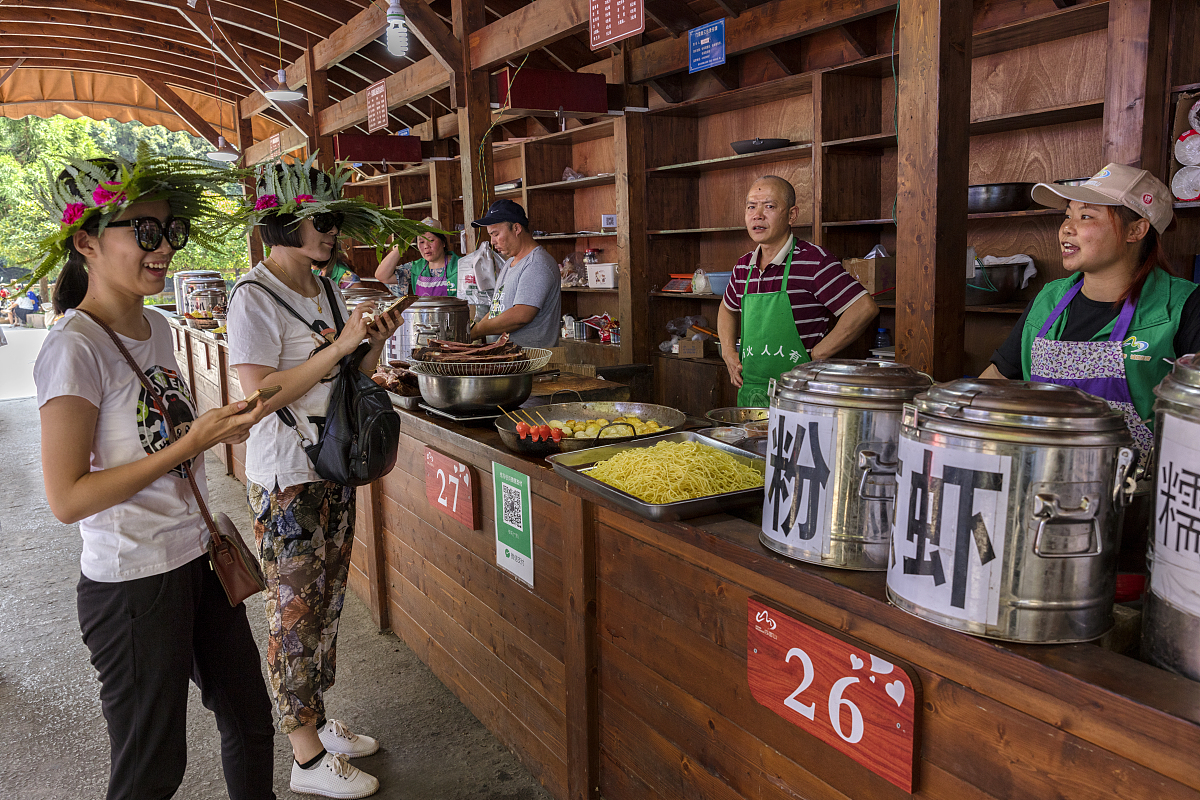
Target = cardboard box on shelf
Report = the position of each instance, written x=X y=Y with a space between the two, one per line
x=876 y=274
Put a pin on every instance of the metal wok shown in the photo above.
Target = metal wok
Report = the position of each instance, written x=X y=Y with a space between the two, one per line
x=664 y=415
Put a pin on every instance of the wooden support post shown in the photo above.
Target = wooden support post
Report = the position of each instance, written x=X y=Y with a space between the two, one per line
x=629 y=150
x=318 y=101
x=931 y=234
x=441 y=192
x=1135 y=82
x=370 y=506
x=474 y=118
x=818 y=160
x=580 y=655
x=245 y=140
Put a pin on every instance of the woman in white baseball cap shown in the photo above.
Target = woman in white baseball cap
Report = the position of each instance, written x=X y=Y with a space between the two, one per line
x=1116 y=324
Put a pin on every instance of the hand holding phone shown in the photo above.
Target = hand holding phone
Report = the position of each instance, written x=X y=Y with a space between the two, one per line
x=264 y=393
x=400 y=304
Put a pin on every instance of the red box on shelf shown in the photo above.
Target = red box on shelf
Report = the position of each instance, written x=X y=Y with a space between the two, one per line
x=547 y=90
x=375 y=149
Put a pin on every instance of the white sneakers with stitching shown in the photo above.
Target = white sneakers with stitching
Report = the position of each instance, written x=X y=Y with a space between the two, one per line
x=333 y=777
x=337 y=738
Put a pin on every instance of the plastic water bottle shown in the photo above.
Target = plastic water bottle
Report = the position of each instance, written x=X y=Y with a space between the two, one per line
x=882 y=338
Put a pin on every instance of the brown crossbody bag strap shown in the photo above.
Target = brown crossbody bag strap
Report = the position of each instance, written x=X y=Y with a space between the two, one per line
x=239 y=571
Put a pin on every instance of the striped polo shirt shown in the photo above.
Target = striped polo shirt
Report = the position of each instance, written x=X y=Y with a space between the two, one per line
x=820 y=289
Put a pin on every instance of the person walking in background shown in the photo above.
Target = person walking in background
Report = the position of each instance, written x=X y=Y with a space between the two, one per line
x=152 y=611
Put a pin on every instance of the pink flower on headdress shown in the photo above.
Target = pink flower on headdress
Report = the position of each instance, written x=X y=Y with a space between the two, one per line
x=303 y=198
x=72 y=213
x=266 y=201
x=102 y=196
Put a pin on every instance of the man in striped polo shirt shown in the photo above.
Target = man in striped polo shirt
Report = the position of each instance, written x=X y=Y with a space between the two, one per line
x=783 y=296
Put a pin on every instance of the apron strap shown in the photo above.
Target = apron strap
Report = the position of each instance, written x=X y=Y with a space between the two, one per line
x=1121 y=327
x=1058 y=309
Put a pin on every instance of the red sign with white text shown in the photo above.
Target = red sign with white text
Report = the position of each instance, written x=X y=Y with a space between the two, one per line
x=857 y=702
x=613 y=20
x=377 y=107
x=451 y=488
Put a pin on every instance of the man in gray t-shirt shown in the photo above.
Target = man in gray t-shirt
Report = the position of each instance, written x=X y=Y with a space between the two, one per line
x=527 y=302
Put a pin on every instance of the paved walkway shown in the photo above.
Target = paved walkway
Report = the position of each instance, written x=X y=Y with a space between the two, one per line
x=432 y=748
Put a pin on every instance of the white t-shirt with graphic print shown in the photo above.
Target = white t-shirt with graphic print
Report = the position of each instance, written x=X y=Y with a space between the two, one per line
x=260 y=332
x=160 y=527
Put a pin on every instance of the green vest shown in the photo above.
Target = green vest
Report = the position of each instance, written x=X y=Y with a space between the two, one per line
x=1150 y=345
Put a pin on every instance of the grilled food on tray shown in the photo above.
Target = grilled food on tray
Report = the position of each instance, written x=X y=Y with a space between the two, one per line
x=397 y=379
x=500 y=351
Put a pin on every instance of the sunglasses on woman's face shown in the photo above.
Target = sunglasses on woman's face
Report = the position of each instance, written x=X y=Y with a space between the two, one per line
x=328 y=220
x=150 y=231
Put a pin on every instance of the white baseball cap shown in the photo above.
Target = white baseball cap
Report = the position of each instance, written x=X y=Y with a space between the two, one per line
x=1115 y=185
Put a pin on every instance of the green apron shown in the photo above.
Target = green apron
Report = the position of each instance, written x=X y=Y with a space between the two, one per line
x=771 y=345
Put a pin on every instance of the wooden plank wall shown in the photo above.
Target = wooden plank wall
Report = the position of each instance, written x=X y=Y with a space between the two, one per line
x=496 y=643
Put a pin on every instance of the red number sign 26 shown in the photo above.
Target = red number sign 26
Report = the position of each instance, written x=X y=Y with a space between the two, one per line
x=857 y=702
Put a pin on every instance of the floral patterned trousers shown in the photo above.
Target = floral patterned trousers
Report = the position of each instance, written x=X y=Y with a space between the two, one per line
x=304 y=534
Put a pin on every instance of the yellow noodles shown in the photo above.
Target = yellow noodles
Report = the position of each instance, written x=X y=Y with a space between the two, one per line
x=674 y=471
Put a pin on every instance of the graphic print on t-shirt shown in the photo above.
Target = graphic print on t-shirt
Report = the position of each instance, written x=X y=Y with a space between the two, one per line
x=152 y=427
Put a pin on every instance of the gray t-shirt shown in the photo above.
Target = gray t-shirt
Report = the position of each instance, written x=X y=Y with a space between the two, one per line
x=532 y=281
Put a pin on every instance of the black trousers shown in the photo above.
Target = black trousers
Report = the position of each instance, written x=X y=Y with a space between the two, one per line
x=147 y=637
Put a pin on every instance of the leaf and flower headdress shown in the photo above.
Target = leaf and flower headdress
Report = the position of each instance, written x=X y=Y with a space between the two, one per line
x=94 y=192
x=303 y=190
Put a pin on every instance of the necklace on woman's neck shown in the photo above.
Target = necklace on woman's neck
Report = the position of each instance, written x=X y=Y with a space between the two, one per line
x=282 y=275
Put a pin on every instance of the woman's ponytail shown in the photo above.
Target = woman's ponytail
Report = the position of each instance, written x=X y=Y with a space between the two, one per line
x=72 y=284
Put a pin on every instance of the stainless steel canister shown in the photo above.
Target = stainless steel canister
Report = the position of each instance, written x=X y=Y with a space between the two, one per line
x=1009 y=508
x=831 y=461
x=182 y=278
x=1171 y=613
x=214 y=294
x=446 y=318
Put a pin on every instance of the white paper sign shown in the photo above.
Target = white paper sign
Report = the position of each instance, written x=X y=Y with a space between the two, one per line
x=797 y=501
x=1175 y=572
x=951 y=520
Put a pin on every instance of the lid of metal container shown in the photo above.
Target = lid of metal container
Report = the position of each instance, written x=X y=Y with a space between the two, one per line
x=881 y=380
x=1020 y=404
x=439 y=302
x=195 y=273
x=1182 y=384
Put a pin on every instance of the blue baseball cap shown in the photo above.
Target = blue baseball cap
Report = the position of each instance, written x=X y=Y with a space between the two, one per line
x=503 y=211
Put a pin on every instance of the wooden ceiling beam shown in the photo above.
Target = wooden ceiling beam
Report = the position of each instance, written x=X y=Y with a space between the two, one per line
x=181 y=109
x=430 y=29
x=48 y=19
x=732 y=8
x=536 y=25
x=419 y=80
x=755 y=28
x=8 y=72
x=676 y=16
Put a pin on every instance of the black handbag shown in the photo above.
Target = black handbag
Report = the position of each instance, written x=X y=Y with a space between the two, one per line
x=360 y=433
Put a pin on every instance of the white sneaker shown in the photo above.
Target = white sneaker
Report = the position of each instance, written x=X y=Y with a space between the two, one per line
x=337 y=738
x=333 y=777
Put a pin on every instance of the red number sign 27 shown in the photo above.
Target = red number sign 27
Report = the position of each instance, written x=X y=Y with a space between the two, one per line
x=451 y=488
x=857 y=702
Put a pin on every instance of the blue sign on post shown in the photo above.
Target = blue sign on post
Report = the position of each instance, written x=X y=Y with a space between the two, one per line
x=706 y=46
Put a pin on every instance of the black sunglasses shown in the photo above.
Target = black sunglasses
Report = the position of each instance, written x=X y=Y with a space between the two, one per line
x=151 y=230
x=328 y=220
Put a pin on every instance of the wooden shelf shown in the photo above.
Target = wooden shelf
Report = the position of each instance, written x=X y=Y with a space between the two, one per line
x=1033 y=212
x=1038 y=117
x=736 y=229
x=1186 y=87
x=1008 y=308
x=795 y=151
x=1190 y=205
x=586 y=343
x=741 y=98
x=880 y=66
x=1060 y=24
x=704 y=360
x=689 y=296
x=570 y=186
x=407 y=206
x=551 y=236
x=860 y=223
x=588 y=290
x=584 y=133
x=876 y=141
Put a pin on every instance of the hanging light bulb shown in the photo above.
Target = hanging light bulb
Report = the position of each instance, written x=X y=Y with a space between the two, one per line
x=225 y=151
x=397 y=30
x=280 y=90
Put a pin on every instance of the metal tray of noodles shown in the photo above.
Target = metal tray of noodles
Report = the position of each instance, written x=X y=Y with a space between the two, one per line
x=574 y=468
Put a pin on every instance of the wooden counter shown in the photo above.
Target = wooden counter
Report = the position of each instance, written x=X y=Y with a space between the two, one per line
x=624 y=667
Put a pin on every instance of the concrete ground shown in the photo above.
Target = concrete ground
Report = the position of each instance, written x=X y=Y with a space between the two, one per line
x=432 y=747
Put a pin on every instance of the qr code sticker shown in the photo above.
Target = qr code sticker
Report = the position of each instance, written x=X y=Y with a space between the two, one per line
x=512 y=506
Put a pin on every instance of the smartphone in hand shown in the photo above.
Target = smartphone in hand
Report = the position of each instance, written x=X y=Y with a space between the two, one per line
x=264 y=393
x=400 y=304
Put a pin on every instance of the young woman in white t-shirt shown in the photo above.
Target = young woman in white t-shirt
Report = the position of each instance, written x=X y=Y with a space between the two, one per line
x=152 y=612
x=304 y=524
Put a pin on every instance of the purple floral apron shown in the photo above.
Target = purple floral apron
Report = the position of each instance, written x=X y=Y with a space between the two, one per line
x=433 y=285
x=1097 y=368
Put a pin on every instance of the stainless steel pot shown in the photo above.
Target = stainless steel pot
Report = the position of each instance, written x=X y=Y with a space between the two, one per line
x=190 y=285
x=1008 y=510
x=179 y=278
x=482 y=393
x=1171 y=614
x=831 y=461
x=446 y=318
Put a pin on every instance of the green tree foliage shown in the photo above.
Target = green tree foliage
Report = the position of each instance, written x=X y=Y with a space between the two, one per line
x=28 y=146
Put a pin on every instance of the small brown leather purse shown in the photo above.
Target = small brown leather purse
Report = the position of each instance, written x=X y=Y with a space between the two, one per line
x=236 y=567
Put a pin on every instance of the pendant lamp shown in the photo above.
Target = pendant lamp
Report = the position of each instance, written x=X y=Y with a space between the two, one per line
x=280 y=90
x=397 y=30
x=225 y=151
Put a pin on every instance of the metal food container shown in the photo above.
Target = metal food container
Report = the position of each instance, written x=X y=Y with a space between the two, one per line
x=1008 y=510
x=831 y=451
x=1171 y=612
x=471 y=394
x=189 y=285
x=574 y=466
x=446 y=318
x=183 y=276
